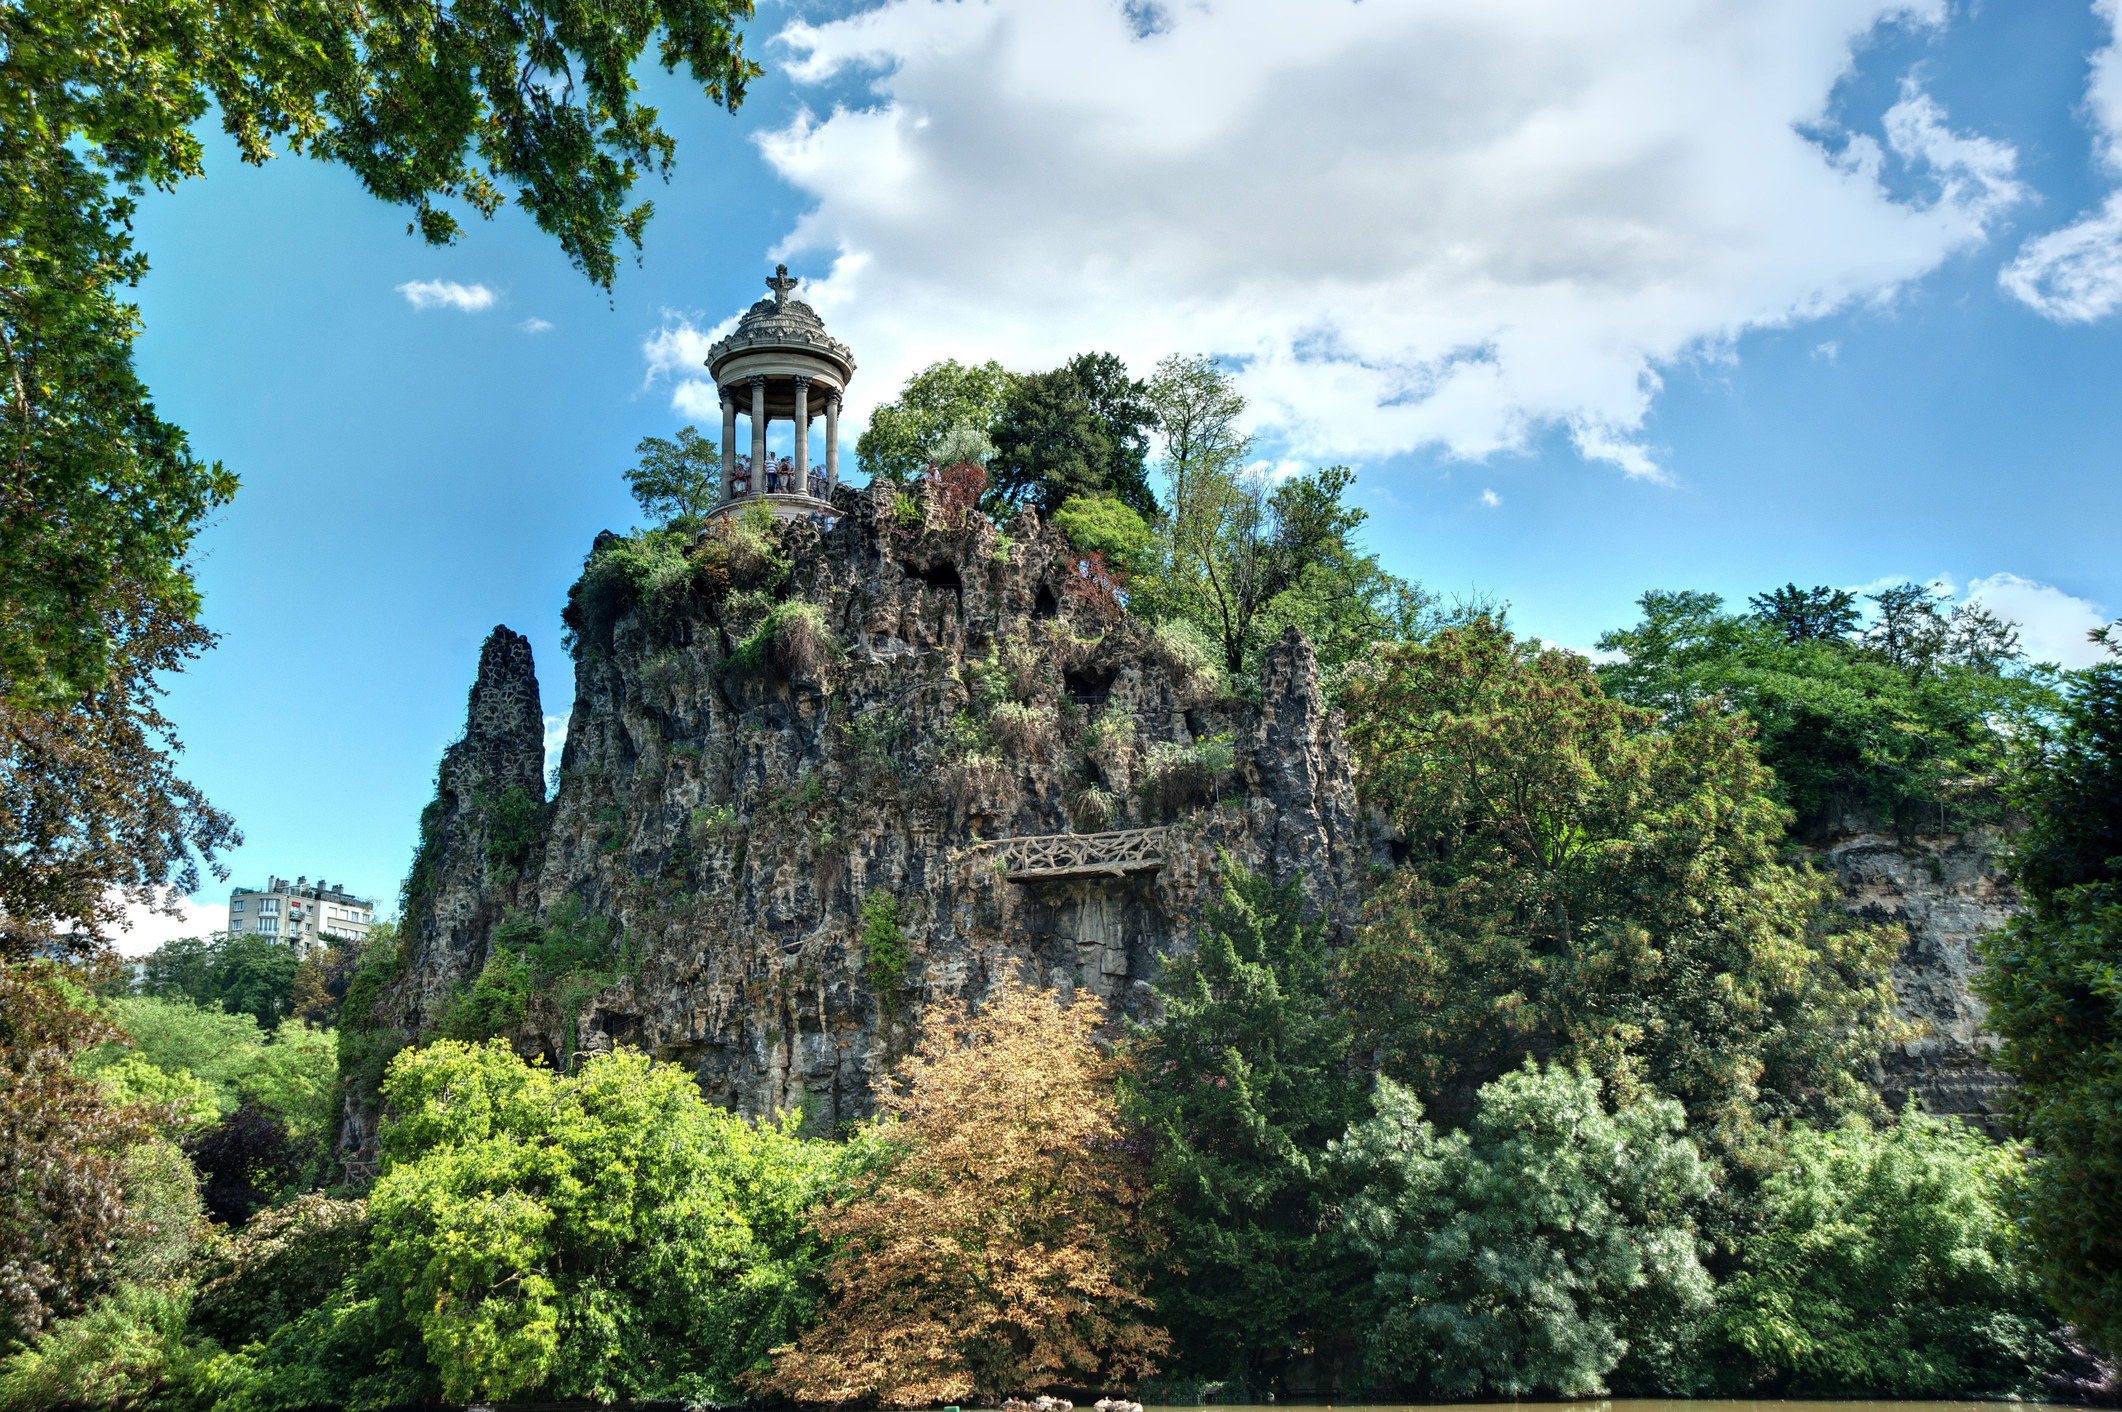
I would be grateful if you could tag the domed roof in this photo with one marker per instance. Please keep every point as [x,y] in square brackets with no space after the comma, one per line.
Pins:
[781,324]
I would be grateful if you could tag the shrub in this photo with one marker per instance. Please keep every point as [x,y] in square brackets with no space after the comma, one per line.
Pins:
[165,1218]
[883,945]
[129,1351]
[246,1160]
[283,1262]
[1534,1251]
[792,637]
[1175,776]
[1887,1265]
[1184,651]
[622,573]
[1022,730]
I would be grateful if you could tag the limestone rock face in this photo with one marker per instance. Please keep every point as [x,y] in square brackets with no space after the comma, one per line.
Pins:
[736,783]
[1947,890]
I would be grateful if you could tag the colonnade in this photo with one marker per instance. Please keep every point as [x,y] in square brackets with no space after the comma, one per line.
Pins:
[759,421]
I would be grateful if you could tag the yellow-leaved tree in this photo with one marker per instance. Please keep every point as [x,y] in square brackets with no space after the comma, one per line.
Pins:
[999,1250]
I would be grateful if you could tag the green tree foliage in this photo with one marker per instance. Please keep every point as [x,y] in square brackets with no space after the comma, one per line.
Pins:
[1081,429]
[1899,721]
[289,1070]
[608,1237]
[1240,1089]
[1534,1251]
[904,433]
[1887,1264]
[679,477]
[92,815]
[64,1149]
[133,1349]
[1100,524]
[235,971]
[1583,881]
[2053,980]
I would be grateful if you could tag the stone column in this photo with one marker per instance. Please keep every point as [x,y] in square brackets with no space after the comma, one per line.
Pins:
[758,433]
[729,438]
[803,435]
[832,443]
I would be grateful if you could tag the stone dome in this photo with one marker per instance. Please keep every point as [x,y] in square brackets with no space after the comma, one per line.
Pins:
[781,324]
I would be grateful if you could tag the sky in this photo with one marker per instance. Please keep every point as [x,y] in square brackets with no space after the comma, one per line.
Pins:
[1710,294]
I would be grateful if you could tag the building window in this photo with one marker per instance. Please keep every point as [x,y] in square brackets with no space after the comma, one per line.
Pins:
[269,925]
[236,906]
[269,906]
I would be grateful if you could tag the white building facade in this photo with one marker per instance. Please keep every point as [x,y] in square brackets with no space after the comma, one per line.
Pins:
[301,913]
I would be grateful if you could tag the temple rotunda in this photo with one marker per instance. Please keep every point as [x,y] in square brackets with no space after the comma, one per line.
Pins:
[779,363]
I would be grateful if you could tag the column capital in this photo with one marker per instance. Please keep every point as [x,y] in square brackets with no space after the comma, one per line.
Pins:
[757,379]
[802,379]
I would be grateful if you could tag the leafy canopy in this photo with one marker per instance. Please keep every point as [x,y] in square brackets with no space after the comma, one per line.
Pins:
[905,434]
[1585,879]
[994,1252]
[1534,1251]
[2053,981]
[1081,429]
[1240,1089]
[1897,725]
[676,477]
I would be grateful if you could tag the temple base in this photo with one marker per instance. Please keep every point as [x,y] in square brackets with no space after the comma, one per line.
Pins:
[783,506]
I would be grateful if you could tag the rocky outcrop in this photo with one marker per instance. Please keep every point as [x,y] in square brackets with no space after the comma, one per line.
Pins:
[1946,890]
[748,763]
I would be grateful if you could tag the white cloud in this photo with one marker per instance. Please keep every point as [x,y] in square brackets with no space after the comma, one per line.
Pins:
[2074,275]
[1828,352]
[1491,499]
[677,352]
[1452,223]
[151,929]
[2052,624]
[535,326]
[444,293]
[556,737]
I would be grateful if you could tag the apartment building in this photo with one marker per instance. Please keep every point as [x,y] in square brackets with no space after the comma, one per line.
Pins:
[301,913]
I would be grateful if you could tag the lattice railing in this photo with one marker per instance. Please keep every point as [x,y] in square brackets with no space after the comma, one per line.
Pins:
[1078,855]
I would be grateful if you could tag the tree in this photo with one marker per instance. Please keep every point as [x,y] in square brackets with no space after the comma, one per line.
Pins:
[63,1150]
[996,1253]
[2053,980]
[1586,881]
[904,434]
[681,477]
[1241,1088]
[1078,430]
[92,815]
[1534,1251]
[1887,1264]
[245,1161]
[606,1237]
[1902,726]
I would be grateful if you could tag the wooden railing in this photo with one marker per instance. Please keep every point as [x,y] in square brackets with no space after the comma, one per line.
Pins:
[1041,857]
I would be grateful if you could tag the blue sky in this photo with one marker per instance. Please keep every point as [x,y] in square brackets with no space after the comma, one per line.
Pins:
[1596,299]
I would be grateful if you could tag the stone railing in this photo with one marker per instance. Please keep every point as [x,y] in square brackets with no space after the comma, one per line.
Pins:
[1042,857]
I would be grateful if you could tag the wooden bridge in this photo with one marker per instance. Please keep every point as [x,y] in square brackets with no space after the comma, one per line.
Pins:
[1050,856]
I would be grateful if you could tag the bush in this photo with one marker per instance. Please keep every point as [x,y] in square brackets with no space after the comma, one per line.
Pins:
[883,945]
[130,1351]
[1533,1252]
[1022,730]
[793,637]
[1887,1265]
[1176,776]
[246,1161]
[165,1218]
[620,574]
[282,1263]
[1186,653]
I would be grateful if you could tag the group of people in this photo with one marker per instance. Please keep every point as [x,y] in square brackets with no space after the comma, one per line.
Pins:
[781,478]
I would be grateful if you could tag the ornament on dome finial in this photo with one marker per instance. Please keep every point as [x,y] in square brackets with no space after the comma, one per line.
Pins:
[781,285]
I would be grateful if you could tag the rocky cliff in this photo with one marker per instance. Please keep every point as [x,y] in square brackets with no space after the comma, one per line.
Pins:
[1946,890]
[770,846]
[771,840]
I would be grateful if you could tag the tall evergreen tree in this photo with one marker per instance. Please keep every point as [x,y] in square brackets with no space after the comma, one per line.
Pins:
[2054,986]
[1241,1089]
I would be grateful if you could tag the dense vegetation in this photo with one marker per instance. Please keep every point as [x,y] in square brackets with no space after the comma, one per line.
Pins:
[1580,1108]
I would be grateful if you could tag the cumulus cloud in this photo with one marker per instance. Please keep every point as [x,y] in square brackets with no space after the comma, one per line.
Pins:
[1491,499]
[150,929]
[556,737]
[1447,223]
[535,326]
[2052,624]
[446,294]
[2074,275]
[677,353]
